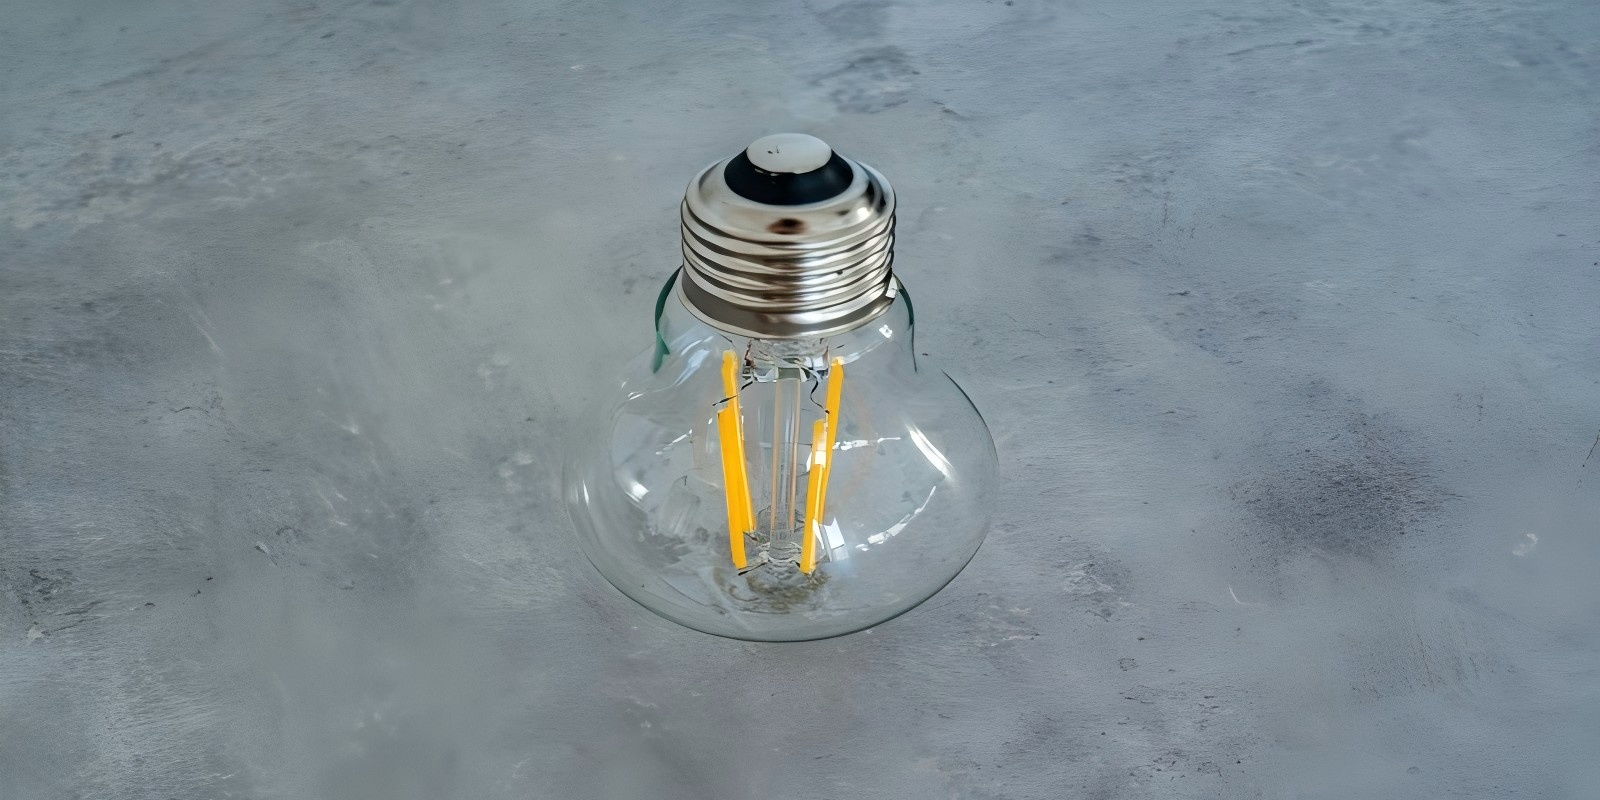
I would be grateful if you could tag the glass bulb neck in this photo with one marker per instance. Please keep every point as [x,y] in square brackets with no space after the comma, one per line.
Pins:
[679,329]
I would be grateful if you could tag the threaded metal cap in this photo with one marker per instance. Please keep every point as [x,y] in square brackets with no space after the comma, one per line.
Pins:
[788,240]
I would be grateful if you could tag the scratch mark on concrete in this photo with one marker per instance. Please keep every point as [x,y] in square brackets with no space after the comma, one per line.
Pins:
[1585,464]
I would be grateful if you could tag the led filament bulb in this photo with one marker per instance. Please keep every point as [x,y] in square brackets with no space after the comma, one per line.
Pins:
[782,465]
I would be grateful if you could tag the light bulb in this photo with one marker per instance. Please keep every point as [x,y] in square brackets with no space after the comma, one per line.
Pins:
[782,464]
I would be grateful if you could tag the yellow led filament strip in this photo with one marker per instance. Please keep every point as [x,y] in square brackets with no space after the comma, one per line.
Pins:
[824,435]
[730,428]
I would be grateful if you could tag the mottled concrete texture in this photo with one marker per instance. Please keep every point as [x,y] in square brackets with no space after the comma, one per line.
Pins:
[1285,315]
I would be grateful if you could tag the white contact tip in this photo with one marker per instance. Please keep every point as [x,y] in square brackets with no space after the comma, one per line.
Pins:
[791,153]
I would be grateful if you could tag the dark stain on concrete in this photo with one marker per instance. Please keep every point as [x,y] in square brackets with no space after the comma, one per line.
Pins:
[875,79]
[1354,492]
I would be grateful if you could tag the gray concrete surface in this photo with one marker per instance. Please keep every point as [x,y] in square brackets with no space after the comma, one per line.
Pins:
[1286,317]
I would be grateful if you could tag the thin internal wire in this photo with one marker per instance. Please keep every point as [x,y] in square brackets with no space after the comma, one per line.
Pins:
[777,429]
[794,457]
